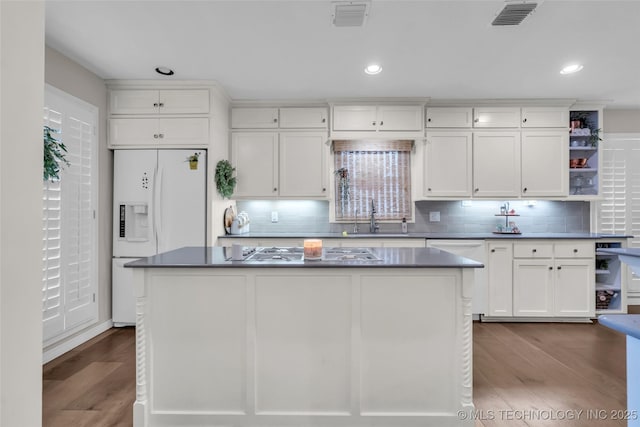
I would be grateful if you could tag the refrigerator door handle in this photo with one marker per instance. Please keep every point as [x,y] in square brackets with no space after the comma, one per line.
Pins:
[158,217]
[156,209]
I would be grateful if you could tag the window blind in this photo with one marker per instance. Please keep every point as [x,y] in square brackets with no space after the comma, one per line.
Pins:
[619,210]
[375,170]
[69,227]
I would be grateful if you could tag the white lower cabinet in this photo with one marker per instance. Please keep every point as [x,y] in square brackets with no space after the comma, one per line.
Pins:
[541,279]
[500,279]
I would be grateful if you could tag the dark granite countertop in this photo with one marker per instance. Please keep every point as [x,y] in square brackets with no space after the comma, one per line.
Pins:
[628,324]
[219,257]
[452,236]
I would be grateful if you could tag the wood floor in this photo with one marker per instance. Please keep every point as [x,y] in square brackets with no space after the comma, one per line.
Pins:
[525,374]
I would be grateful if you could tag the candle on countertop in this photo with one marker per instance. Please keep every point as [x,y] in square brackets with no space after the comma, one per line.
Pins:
[313,249]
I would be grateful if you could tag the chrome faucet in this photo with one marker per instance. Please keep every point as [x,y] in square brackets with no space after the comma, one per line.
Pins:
[373,227]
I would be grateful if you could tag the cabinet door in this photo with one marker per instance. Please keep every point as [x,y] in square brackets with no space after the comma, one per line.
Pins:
[496,117]
[354,118]
[496,164]
[254,118]
[399,118]
[134,101]
[448,164]
[302,164]
[533,287]
[500,280]
[574,290]
[449,117]
[545,117]
[133,132]
[194,101]
[255,157]
[301,118]
[192,132]
[545,163]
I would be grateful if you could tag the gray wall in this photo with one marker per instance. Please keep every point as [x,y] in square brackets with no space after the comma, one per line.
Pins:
[621,121]
[70,77]
[312,216]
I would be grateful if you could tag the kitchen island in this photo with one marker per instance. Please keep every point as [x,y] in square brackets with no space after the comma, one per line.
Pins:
[339,342]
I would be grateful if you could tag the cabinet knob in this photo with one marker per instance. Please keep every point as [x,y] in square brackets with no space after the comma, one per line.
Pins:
[559,268]
[324,189]
[161,135]
[429,119]
[493,250]
[476,190]
[524,190]
[429,189]
[575,251]
[550,268]
[534,250]
[275,120]
[476,120]
[275,189]
[324,120]
[155,104]
[161,104]
[155,135]
[373,123]
[524,121]
[381,122]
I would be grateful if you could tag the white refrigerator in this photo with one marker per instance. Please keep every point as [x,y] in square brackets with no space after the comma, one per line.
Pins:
[159,201]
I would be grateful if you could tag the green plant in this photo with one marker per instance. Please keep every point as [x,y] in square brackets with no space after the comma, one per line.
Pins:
[594,138]
[54,154]
[225,181]
[193,157]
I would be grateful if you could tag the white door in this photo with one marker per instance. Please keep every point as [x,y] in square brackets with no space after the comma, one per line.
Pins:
[188,132]
[180,199]
[134,234]
[302,164]
[128,132]
[545,163]
[355,117]
[574,293]
[399,118]
[496,164]
[255,157]
[533,282]
[181,101]
[500,278]
[448,164]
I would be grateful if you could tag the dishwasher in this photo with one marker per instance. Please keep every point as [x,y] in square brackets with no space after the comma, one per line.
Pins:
[475,250]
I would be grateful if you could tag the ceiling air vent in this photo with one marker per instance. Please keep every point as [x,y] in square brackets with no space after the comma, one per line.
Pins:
[349,13]
[514,13]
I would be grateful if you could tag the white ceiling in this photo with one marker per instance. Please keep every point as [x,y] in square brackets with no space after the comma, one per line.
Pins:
[270,50]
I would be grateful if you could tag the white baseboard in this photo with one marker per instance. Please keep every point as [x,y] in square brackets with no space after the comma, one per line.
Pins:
[62,348]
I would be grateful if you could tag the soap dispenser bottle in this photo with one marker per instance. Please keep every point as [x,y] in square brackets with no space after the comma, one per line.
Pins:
[404,225]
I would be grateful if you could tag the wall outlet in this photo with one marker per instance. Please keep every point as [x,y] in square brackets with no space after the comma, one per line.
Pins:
[274,216]
[434,216]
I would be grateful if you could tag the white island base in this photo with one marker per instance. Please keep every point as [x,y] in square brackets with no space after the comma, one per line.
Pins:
[301,347]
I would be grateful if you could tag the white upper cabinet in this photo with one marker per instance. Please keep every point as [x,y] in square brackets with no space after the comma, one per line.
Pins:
[381,118]
[496,117]
[255,158]
[302,160]
[254,118]
[545,156]
[447,164]
[449,117]
[545,117]
[154,132]
[304,118]
[496,164]
[151,101]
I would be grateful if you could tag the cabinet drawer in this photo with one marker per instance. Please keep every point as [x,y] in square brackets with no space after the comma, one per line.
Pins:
[533,250]
[575,250]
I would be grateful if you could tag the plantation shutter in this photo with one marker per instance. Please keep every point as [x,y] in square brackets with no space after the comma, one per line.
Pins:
[619,210]
[69,227]
[369,170]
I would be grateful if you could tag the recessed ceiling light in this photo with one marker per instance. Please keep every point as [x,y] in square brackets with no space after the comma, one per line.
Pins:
[373,69]
[164,71]
[570,69]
